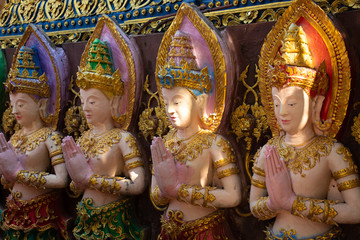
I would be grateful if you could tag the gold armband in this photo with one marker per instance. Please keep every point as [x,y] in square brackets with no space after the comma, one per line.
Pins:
[353,183]
[318,210]
[57,161]
[258,183]
[31,178]
[133,145]
[261,210]
[343,173]
[227,172]
[55,152]
[223,162]
[134,164]
[258,171]
[131,156]
[183,193]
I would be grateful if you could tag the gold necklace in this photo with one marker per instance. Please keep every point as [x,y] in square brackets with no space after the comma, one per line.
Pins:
[190,150]
[23,143]
[186,139]
[299,160]
[97,145]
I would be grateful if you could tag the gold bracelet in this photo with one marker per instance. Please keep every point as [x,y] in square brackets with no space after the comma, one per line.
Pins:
[134,164]
[55,152]
[223,162]
[77,192]
[258,183]
[93,181]
[131,156]
[298,206]
[57,161]
[208,197]
[160,201]
[353,183]
[330,212]
[258,171]
[104,184]
[196,195]
[261,210]
[34,179]
[227,172]
[115,186]
[183,192]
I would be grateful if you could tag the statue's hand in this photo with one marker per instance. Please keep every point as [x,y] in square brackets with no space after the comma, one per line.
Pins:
[76,162]
[10,162]
[164,169]
[278,182]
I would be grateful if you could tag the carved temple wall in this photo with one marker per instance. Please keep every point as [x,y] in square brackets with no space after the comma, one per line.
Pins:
[69,24]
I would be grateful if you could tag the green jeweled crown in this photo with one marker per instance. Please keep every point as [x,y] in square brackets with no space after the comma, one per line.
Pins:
[181,69]
[27,76]
[98,72]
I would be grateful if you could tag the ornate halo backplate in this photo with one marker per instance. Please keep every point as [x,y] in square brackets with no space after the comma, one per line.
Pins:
[55,65]
[326,43]
[126,58]
[211,51]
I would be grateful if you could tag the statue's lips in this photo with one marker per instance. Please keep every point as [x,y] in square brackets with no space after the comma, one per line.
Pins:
[285,121]
[88,116]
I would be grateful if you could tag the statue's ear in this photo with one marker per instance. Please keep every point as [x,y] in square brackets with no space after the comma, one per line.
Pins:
[115,106]
[316,108]
[320,127]
[202,102]
[43,107]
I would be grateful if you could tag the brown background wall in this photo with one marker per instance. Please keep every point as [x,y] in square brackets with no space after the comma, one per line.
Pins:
[247,40]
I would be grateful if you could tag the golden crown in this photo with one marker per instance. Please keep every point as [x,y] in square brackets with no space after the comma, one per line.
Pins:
[98,72]
[181,69]
[26,75]
[293,65]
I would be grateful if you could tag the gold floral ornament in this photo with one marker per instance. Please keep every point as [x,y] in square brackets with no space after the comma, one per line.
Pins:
[151,125]
[9,123]
[355,128]
[286,60]
[249,121]
[75,120]
[98,72]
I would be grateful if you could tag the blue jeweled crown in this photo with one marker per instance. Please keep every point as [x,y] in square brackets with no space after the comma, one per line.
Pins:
[27,76]
[181,69]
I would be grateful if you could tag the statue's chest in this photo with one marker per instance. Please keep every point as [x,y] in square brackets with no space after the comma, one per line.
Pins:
[312,181]
[107,159]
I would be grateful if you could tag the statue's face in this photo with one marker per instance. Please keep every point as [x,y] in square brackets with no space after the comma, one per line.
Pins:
[25,109]
[96,106]
[180,107]
[293,109]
